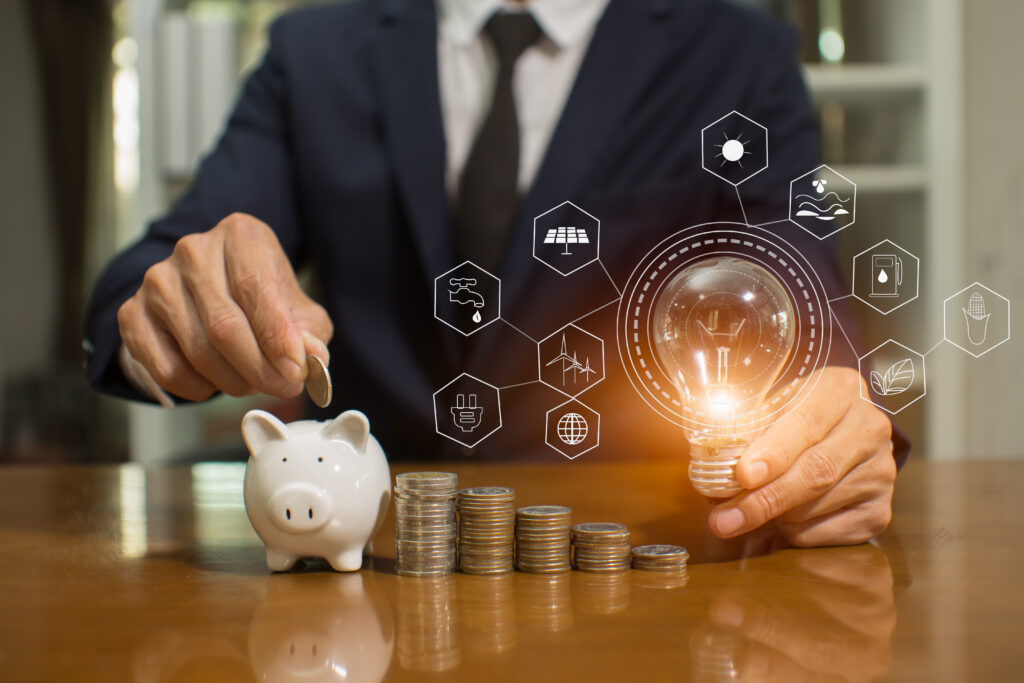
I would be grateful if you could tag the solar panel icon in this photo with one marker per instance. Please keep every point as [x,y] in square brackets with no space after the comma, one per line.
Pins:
[566,235]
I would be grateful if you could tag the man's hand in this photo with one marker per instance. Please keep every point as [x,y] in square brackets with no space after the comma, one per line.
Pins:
[825,472]
[225,312]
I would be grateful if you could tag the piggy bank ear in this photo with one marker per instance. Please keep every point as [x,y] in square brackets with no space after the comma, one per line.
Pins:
[260,427]
[352,427]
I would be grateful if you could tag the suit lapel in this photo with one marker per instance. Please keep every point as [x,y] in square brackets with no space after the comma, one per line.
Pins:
[406,75]
[627,46]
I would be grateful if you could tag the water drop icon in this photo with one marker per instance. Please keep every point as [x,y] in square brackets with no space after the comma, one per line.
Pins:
[883,276]
[476,317]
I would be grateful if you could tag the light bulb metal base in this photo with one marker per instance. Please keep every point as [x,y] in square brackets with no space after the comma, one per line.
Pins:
[713,468]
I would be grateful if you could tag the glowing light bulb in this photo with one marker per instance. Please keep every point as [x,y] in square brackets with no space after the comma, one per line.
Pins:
[723,329]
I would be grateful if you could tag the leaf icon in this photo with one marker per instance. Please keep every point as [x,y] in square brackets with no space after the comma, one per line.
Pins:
[897,379]
[877,383]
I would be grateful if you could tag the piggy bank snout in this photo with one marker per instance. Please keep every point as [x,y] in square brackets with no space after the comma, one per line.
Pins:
[300,508]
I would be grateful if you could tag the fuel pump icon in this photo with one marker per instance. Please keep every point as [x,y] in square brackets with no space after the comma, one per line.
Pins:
[886,275]
[466,414]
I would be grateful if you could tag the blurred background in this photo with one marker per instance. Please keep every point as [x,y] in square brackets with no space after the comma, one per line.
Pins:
[108,105]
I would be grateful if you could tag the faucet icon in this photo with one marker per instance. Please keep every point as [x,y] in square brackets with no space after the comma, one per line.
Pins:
[463,294]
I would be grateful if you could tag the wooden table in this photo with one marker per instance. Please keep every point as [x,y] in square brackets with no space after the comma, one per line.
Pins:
[124,574]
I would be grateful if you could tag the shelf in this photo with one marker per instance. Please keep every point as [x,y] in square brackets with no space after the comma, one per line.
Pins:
[880,179]
[849,81]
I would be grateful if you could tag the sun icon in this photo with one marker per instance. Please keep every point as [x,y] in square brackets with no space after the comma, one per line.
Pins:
[733,149]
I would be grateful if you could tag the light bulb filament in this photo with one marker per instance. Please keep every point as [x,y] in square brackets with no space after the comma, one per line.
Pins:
[721,342]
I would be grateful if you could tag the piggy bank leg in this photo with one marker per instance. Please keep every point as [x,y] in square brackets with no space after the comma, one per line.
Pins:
[280,562]
[348,561]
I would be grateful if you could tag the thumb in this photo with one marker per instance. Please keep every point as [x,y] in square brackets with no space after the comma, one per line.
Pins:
[315,347]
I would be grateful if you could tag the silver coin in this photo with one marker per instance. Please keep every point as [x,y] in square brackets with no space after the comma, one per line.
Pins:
[318,381]
[600,528]
[416,481]
[488,492]
[660,551]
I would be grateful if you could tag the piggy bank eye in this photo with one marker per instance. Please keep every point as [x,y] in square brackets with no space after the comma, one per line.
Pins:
[320,459]
[284,459]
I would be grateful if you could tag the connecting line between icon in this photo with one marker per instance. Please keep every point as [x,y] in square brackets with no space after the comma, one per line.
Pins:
[602,307]
[840,298]
[742,209]
[764,225]
[845,336]
[518,330]
[521,384]
[617,290]
[937,345]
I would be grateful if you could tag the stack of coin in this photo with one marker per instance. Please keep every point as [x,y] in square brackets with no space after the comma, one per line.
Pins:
[543,539]
[487,519]
[660,558]
[601,547]
[425,527]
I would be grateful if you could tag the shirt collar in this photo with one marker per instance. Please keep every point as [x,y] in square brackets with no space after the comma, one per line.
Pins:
[564,22]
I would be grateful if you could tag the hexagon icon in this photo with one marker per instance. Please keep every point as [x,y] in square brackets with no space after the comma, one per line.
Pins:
[734,148]
[467,410]
[823,202]
[572,429]
[467,298]
[566,238]
[571,360]
[896,378]
[886,276]
[976,319]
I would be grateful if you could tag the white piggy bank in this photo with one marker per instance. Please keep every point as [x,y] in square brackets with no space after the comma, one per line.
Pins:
[314,489]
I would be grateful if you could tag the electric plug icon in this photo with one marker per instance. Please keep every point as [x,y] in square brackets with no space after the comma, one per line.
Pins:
[466,414]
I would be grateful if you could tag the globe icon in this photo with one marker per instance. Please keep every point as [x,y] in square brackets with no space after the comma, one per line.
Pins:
[572,429]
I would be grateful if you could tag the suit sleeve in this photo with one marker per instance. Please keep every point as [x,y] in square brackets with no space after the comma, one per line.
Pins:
[250,170]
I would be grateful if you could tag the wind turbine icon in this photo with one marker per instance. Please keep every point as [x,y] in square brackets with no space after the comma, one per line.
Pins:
[572,364]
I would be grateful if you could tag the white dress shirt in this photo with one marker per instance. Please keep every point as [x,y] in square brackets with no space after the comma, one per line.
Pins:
[544,75]
[467,68]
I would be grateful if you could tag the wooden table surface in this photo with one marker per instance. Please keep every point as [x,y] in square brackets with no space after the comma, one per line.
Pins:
[125,574]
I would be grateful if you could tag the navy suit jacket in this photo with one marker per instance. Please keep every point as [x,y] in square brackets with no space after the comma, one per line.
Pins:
[337,143]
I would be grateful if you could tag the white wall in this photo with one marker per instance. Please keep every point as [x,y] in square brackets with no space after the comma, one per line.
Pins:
[994,222]
[27,286]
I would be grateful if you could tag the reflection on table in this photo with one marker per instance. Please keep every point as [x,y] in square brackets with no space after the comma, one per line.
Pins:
[131,575]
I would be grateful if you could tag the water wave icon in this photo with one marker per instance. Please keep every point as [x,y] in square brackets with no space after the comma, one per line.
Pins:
[820,207]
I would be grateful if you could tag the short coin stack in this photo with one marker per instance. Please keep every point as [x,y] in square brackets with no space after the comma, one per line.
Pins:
[660,558]
[425,528]
[487,519]
[543,539]
[601,547]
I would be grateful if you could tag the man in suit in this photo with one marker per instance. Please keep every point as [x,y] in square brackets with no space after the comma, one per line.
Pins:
[383,142]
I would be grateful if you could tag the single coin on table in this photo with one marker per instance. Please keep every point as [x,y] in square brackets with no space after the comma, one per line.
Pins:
[318,381]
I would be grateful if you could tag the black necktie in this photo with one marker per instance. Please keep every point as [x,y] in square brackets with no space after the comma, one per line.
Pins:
[488,195]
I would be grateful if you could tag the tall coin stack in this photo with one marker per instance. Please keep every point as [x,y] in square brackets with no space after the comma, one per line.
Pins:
[543,539]
[660,558]
[425,526]
[601,547]
[487,520]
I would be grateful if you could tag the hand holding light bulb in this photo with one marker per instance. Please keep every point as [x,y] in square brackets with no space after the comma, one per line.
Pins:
[824,473]
[724,330]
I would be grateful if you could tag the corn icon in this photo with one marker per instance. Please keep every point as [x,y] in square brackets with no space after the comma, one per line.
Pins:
[976,319]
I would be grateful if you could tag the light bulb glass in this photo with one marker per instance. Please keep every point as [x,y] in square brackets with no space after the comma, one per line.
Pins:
[723,329]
